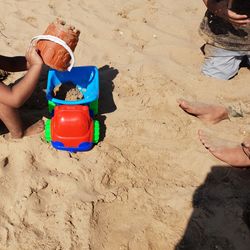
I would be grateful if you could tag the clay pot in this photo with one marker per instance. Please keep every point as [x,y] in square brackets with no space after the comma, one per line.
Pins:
[53,54]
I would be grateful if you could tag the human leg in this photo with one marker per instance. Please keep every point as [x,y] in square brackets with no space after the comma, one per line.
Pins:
[224,150]
[208,113]
[11,119]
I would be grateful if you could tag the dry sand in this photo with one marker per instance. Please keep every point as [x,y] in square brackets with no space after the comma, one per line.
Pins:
[149,182]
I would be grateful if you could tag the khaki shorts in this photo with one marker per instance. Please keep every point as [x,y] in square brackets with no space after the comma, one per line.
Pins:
[221,63]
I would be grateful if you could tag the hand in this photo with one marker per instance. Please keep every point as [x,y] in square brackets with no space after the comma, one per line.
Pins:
[237,19]
[221,9]
[33,57]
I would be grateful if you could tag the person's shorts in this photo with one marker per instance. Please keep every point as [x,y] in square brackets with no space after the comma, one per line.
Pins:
[221,63]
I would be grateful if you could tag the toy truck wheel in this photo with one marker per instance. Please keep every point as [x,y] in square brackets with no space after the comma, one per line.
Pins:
[48,130]
[51,106]
[96,135]
[94,106]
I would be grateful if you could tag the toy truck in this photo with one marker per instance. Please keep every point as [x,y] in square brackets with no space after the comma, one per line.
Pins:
[72,126]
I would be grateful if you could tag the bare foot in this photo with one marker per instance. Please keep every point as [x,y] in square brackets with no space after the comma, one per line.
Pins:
[206,112]
[226,151]
[36,128]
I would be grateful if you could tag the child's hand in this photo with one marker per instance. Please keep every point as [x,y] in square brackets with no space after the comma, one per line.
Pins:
[237,19]
[33,57]
[222,9]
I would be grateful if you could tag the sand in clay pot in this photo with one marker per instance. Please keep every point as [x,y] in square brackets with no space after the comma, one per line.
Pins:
[53,54]
[67,91]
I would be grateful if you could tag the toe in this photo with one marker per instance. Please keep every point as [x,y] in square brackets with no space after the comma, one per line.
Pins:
[246,144]
[202,135]
[183,103]
[212,149]
[179,101]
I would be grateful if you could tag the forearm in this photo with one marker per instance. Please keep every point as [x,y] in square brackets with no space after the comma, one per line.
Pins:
[13,64]
[23,90]
[219,8]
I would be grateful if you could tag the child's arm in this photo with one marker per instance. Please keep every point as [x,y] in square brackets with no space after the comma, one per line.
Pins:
[13,64]
[220,8]
[19,93]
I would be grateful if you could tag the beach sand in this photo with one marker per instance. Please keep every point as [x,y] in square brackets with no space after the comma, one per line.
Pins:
[149,184]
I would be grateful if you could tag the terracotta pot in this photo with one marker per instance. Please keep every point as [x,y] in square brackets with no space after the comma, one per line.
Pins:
[53,54]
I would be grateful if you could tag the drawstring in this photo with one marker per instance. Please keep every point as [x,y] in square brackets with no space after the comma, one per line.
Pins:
[58,41]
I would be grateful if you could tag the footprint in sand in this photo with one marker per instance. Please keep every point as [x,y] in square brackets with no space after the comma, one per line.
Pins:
[6,230]
[4,162]
[32,21]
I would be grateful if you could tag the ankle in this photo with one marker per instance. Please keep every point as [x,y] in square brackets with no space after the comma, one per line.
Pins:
[224,113]
[17,134]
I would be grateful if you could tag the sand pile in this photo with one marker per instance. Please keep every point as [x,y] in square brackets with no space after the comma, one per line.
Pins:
[67,91]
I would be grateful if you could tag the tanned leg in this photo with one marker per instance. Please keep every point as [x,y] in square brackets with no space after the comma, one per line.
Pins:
[11,119]
[226,151]
[208,113]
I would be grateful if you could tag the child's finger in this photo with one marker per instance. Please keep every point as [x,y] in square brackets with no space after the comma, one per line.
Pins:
[245,21]
[30,51]
[240,22]
[34,43]
[236,16]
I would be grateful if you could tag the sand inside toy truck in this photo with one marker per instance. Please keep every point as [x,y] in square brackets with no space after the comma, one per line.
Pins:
[67,91]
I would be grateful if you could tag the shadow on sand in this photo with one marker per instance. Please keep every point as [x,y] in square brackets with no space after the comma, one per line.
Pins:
[221,212]
[35,108]
[106,102]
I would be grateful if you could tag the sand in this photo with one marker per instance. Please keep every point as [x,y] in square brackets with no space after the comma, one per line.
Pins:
[67,91]
[149,184]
